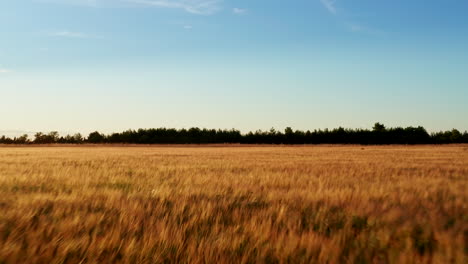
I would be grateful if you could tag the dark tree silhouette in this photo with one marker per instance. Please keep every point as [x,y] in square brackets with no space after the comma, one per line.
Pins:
[96,137]
[378,135]
[378,127]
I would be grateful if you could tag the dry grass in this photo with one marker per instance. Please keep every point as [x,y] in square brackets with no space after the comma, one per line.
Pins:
[347,204]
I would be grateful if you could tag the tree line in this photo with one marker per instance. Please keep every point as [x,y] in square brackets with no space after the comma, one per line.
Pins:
[378,135]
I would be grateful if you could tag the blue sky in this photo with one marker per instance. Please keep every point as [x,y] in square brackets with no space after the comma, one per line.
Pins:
[111,65]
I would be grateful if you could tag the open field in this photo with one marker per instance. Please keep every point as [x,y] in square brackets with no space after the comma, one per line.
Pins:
[318,204]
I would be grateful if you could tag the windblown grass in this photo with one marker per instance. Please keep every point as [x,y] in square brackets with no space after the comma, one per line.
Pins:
[347,204]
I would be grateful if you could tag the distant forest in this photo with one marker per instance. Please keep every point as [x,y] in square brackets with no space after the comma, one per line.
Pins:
[378,135]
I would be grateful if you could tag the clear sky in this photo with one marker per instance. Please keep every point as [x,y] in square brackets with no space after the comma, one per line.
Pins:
[111,65]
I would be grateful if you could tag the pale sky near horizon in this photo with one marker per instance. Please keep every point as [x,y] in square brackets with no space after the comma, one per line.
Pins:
[112,65]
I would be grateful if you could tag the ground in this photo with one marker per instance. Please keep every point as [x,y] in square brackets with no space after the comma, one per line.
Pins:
[232,204]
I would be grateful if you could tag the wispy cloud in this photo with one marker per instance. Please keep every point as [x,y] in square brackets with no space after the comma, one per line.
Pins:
[355,27]
[239,11]
[68,34]
[329,5]
[90,3]
[350,26]
[199,7]
[188,27]
[3,71]
[71,34]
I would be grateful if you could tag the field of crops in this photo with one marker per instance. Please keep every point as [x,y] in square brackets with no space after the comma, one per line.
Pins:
[233,204]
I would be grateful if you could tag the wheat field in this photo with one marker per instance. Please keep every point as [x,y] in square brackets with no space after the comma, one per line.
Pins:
[233,204]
